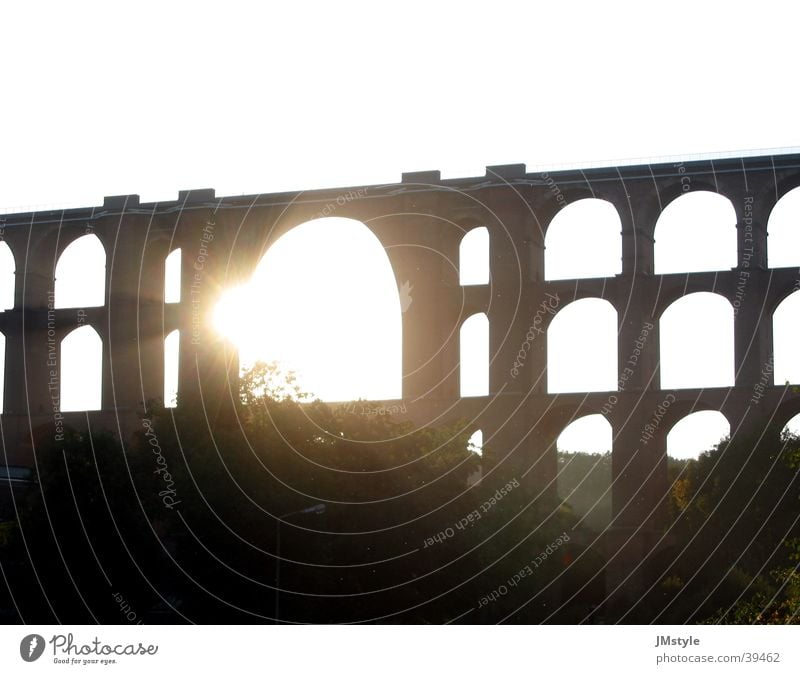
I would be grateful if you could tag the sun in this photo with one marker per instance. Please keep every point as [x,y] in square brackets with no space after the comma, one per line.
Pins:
[323,303]
[230,314]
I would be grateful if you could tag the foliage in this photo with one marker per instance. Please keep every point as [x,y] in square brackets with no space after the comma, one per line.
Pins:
[776,604]
[186,520]
[732,512]
[198,521]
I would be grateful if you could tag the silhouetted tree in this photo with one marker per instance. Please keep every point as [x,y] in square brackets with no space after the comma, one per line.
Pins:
[183,522]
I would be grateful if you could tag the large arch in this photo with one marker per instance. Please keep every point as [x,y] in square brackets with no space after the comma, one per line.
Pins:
[697,342]
[80,279]
[696,433]
[695,233]
[474,356]
[7,277]
[323,302]
[474,257]
[583,241]
[81,370]
[785,337]
[783,230]
[584,469]
[582,347]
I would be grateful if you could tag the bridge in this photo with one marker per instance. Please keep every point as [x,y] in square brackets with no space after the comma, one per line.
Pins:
[421,223]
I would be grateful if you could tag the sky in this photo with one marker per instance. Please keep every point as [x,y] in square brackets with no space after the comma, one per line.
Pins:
[149,98]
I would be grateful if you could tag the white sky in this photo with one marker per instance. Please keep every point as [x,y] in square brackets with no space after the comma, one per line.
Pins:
[150,98]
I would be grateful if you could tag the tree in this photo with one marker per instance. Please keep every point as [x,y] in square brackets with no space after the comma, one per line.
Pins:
[734,509]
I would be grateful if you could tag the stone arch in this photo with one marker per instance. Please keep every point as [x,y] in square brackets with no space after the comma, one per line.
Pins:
[695,233]
[171,368]
[584,469]
[474,257]
[475,445]
[785,319]
[695,433]
[474,356]
[670,410]
[582,347]
[792,425]
[771,190]
[787,414]
[318,276]
[583,241]
[670,290]
[7,277]
[555,197]
[80,274]
[552,422]
[81,376]
[696,346]
[650,205]
[783,231]
[475,442]
[172,277]
[786,182]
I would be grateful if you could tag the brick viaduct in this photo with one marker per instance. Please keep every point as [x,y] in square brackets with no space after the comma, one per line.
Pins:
[420,222]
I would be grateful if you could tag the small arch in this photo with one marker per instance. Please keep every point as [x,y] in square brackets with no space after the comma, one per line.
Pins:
[584,469]
[171,360]
[786,355]
[783,231]
[696,342]
[695,233]
[473,257]
[474,369]
[475,445]
[172,277]
[7,277]
[582,347]
[475,442]
[80,279]
[696,433]
[583,241]
[792,427]
[81,370]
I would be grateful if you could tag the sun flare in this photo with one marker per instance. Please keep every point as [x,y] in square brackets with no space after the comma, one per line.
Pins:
[323,302]
[230,312]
